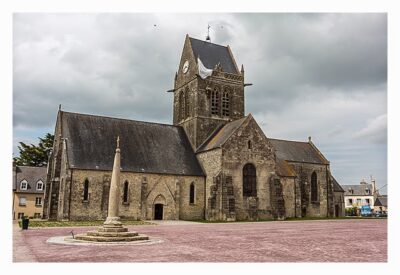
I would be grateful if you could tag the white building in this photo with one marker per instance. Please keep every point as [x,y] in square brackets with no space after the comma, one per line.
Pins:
[359,195]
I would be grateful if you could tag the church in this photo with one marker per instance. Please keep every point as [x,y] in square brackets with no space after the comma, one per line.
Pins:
[213,163]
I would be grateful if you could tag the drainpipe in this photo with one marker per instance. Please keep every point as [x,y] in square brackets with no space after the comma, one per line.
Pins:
[327,191]
[13,209]
[295,198]
[205,196]
[70,195]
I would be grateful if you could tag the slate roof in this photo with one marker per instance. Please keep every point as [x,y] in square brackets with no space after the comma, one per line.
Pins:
[145,147]
[284,169]
[211,54]
[358,189]
[336,185]
[381,201]
[32,175]
[296,151]
[221,135]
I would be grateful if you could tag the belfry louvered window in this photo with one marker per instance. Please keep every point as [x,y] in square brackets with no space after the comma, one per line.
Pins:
[225,104]
[181,105]
[314,187]
[187,110]
[215,102]
[249,181]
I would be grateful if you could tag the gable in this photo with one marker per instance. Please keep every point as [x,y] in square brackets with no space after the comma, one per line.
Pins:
[221,135]
[145,147]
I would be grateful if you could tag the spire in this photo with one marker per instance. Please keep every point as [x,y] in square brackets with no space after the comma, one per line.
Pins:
[242,70]
[208,34]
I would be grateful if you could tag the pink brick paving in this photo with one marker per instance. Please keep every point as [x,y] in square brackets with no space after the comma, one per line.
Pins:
[294,241]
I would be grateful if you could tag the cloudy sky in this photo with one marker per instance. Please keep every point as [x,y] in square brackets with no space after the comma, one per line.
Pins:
[318,75]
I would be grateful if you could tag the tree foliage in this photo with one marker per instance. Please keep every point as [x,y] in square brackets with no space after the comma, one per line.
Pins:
[35,155]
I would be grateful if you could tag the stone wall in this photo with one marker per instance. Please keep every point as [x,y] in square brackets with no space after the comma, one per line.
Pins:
[211,162]
[322,207]
[339,205]
[290,193]
[144,191]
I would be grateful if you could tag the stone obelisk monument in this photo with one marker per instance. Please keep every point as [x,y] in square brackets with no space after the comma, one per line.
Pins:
[113,219]
[112,229]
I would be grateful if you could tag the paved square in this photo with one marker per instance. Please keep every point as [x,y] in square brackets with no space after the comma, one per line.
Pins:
[288,241]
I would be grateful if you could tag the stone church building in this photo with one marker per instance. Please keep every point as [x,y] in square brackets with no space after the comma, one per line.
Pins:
[213,163]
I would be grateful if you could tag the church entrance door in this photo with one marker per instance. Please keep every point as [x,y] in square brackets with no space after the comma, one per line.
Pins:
[337,210]
[158,211]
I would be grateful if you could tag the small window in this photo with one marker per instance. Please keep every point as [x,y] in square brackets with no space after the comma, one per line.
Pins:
[38,201]
[249,145]
[22,201]
[126,191]
[191,193]
[358,202]
[37,216]
[39,185]
[20,215]
[367,201]
[350,201]
[24,185]
[86,190]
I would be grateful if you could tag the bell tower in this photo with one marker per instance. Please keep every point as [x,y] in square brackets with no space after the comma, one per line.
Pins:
[208,89]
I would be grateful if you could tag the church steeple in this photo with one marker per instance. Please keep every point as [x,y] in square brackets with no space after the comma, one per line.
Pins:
[208,90]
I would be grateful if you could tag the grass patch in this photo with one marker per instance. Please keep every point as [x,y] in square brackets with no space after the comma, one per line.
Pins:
[38,223]
[205,221]
[294,219]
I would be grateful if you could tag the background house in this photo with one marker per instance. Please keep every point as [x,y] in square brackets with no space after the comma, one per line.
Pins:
[360,195]
[28,191]
[380,204]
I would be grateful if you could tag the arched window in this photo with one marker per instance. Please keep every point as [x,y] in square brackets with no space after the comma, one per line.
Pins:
[126,191]
[215,102]
[191,193]
[314,187]
[187,103]
[181,105]
[86,190]
[249,181]
[225,104]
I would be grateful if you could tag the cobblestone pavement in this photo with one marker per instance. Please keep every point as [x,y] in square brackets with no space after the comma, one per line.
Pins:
[290,241]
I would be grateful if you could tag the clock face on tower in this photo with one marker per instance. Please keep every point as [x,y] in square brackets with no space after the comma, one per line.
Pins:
[185,66]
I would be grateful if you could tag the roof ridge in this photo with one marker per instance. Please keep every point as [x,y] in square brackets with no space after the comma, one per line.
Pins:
[125,119]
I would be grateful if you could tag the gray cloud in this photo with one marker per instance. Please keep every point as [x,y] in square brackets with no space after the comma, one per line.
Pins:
[323,75]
